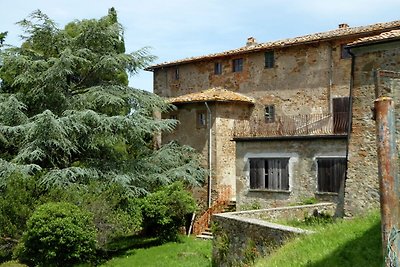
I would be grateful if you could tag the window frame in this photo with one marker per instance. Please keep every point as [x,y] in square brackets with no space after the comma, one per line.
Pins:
[344,53]
[333,186]
[269,59]
[201,122]
[269,113]
[237,64]
[217,68]
[260,179]
[176,73]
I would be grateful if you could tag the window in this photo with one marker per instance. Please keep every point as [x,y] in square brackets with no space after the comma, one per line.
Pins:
[201,119]
[269,113]
[269,173]
[176,73]
[331,172]
[217,68]
[237,65]
[269,59]
[344,53]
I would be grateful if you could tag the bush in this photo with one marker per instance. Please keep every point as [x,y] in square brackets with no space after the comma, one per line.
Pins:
[12,264]
[18,198]
[58,234]
[164,211]
[115,215]
[318,218]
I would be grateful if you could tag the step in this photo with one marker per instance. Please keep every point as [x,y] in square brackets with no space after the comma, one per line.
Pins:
[204,236]
[207,233]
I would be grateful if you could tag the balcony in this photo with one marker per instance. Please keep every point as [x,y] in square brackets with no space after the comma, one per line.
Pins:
[296,125]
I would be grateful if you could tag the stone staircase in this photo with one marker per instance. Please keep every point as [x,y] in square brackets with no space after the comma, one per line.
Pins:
[206,234]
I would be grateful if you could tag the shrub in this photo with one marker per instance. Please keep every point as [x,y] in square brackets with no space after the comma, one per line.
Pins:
[58,234]
[164,211]
[115,215]
[12,264]
[318,218]
[18,198]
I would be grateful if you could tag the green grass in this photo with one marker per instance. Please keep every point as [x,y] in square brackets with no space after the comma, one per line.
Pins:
[12,264]
[190,252]
[355,242]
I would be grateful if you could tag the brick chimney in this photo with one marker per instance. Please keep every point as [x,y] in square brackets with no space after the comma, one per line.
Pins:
[343,26]
[251,41]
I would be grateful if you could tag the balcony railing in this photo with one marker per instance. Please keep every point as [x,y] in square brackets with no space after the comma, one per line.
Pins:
[296,125]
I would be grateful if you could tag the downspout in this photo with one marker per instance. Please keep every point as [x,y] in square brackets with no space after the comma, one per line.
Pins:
[350,120]
[209,153]
[330,78]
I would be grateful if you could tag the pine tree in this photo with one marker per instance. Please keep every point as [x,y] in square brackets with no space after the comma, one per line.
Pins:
[68,116]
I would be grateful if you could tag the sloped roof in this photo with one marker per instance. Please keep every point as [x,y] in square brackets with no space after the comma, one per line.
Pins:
[383,37]
[210,95]
[311,38]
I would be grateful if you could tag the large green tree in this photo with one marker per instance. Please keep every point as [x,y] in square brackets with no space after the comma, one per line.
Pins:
[68,116]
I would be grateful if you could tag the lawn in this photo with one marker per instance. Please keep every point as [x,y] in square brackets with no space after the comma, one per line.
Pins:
[345,243]
[190,252]
[355,242]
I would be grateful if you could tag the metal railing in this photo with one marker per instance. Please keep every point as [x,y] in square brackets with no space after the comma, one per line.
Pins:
[295,125]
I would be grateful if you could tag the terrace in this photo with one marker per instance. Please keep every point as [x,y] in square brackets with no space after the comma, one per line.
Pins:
[295,125]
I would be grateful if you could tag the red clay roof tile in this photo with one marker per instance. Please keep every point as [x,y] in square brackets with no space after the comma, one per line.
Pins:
[311,38]
[210,95]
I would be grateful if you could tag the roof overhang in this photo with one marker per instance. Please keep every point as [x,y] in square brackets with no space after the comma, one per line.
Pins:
[212,95]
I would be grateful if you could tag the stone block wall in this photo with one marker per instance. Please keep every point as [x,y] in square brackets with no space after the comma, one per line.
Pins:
[241,237]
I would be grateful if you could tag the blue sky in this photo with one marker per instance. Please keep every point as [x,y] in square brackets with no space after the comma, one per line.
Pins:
[178,29]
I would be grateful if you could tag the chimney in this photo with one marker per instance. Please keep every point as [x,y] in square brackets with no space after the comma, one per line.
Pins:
[343,26]
[251,41]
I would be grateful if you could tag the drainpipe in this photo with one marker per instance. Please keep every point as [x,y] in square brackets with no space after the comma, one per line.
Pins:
[330,78]
[209,154]
[350,119]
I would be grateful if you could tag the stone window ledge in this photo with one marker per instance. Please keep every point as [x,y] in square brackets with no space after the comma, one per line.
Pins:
[326,193]
[270,191]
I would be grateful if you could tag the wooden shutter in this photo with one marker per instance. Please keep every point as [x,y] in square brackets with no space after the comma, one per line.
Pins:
[284,174]
[340,108]
[257,174]
[331,173]
[277,174]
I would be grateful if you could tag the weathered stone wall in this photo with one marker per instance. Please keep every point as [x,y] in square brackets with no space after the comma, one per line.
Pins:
[241,237]
[289,213]
[362,185]
[303,81]
[302,170]
[187,132]
[225,169]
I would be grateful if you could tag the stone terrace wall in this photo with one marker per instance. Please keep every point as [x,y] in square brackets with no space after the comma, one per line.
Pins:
[241,237]
[289,213]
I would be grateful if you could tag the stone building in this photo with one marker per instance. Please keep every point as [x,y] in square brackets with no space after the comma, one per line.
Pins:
[272,119]
[376,61]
